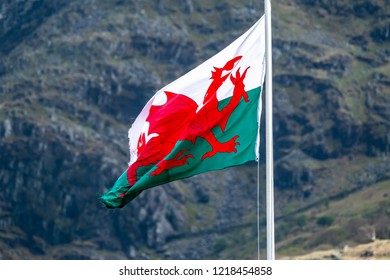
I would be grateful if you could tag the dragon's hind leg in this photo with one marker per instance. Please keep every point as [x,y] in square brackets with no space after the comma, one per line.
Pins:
[166,164]
[220,147]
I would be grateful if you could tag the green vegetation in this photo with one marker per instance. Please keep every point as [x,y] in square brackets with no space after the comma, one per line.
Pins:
[325,221]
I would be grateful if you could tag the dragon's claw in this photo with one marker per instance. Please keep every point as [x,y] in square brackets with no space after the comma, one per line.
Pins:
[226,147]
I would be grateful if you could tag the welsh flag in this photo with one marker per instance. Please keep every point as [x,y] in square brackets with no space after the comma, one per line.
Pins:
[206,120]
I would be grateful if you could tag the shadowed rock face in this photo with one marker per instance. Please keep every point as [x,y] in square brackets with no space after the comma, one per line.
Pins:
[75,74]
[20,19]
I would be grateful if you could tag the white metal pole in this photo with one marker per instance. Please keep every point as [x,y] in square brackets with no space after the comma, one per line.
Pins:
[269,135]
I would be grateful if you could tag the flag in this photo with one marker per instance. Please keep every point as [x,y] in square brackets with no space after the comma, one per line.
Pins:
[206,120]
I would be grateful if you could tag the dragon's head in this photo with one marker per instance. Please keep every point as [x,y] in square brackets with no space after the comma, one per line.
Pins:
[239,78]
[217,73]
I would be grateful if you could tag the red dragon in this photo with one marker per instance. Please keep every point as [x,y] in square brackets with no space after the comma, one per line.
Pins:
[181,118]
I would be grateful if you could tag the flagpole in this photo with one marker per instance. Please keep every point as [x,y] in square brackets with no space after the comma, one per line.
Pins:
[269,135]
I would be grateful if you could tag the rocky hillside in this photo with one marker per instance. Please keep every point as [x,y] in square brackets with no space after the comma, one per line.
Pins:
[376,250]
[74,74]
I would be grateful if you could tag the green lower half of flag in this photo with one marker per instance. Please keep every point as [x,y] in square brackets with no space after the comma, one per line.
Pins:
[241,134]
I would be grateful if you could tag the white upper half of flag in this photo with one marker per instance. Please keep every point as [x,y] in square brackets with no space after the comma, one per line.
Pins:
[194,84]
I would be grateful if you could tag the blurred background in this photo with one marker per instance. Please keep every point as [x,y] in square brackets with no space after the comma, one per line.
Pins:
[74,75]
